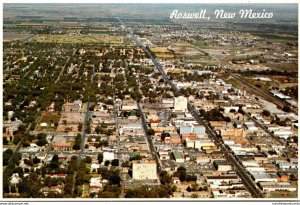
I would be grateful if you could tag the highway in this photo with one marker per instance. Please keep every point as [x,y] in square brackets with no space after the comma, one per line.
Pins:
[24,40]
[242,173]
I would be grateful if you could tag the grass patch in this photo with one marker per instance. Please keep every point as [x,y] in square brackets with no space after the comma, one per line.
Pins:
[276,37]
[201,44]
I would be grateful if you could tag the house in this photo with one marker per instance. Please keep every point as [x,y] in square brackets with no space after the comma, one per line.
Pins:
[51,107]
[95,184]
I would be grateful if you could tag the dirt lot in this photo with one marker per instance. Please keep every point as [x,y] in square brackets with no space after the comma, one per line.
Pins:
[72,118]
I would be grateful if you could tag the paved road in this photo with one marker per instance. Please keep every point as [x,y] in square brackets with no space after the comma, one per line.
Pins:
[27,38]
[86,119]
[64,67]
[263,128]
[149,140]
[247,181]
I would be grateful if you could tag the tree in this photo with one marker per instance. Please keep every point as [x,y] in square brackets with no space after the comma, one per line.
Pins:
[191,178]
[165,178]
[97,129]
[36,160]
[286,108]
[88,159]
[115,162]
[106,163]
[194,196]
[54,164]
[266,113]
[150,131]
[6,156]
[115,179]
[76,147]
[42,142]
[80,127]
[100,158]
[5,141]
[181,173]
[17,139]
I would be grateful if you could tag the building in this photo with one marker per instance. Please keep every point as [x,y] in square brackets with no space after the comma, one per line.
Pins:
[73,106]
[144,170]
[199,130]
[61,146]
[180,104]
[277,186]
[108,156]
[222,165]
[192,129]
[178,157]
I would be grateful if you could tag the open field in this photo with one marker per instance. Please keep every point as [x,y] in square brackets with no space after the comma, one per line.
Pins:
[162,52]
[78,39]
[14,36]
[50,118]
[181,44]
[201,44]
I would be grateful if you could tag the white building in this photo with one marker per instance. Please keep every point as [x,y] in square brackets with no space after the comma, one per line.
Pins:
[180,104]
[108,156]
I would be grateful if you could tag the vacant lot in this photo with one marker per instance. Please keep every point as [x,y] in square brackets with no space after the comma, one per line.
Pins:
[51,119]
[78,39]
[71,118]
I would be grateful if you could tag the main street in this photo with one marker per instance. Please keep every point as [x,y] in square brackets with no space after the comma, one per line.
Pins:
[247,181]
[149,140]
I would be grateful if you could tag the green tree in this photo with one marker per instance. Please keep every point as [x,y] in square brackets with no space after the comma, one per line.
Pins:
[106,163]
[266,113]
[100,158]
[88,159]
[115,162]
[286,108]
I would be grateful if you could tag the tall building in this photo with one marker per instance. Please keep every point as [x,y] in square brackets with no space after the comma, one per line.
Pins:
[144,169]
[180,104]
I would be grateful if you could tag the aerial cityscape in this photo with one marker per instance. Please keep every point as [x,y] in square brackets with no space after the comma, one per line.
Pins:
[125,101]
